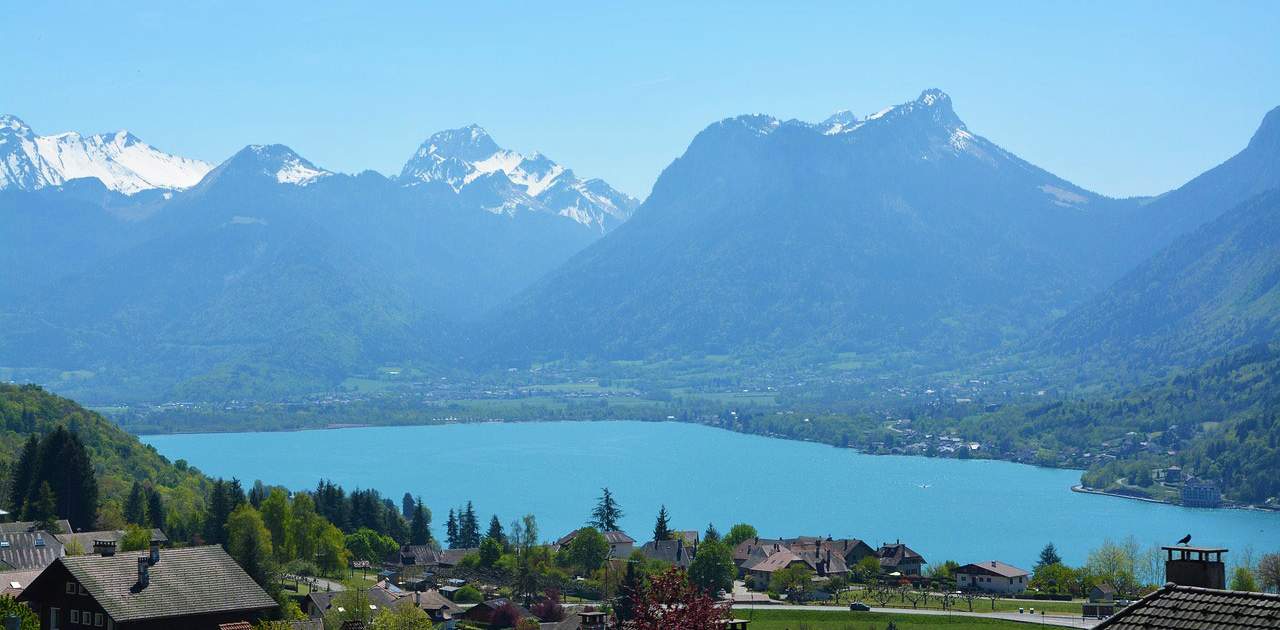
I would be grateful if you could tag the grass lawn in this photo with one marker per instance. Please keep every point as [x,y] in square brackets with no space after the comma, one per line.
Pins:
[800,619]
[979,605]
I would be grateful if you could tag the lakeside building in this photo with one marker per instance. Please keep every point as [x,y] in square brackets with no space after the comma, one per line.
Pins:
[620,544]
[899,558]
[1200,493]
[992,576]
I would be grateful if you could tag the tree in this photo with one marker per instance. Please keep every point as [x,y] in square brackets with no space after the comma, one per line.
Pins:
[670,602]
[331,550]
[943,571]
[277,515]
[1115,563]
[366,544]
[43,509]
[468,595]
[155,509]
[23,474]
[468,528]
[1055,578]
[304,527]
[10,607]
[607,513]
[792,580]
[249,542]
[451,530]
[1269,571]
[506,616]
[866,569]
[135,507]
[404,616]
[662,529]
[712,533]
[632,584]
[1242,579]
[588,550]
[739,533]
[257,494]
[1049,555]
[136,538]
[221,502]
[549,608]
[712,569]
[420,526]
[407,504]
[63,462]
[495,531]
[490,551]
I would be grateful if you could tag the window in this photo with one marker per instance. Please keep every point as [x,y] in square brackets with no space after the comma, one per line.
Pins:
[97,619]
[75,616]
[53,619]
[71,588]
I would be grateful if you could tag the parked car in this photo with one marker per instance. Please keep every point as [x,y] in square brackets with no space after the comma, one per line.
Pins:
[859,607]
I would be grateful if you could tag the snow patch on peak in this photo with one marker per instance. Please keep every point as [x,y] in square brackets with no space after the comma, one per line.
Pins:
[934,97]
[838,122]
[12,123]
[285,166]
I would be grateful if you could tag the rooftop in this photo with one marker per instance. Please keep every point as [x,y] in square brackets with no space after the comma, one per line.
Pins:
[1188,607]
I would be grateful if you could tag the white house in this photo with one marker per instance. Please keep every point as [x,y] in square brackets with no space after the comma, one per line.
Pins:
[993,576]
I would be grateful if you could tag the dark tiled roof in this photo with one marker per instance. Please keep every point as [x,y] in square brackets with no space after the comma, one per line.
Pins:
[994,567]
[21,578]
[191,581]
[897,553]
[28,550]
[614,537]
[1192,608]
[418,555]
[453,557]
[16,527]
[86,538]
[236,625]
[670,551]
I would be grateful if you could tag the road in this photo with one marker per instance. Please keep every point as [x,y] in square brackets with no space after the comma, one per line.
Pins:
[1047,620]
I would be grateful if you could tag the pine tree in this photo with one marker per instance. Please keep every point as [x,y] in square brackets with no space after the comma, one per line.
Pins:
[451,530]
[64,463]
[606,514]
[407,506]
[155,509]
[23,474]
[495,531]
[135,507]
[469,528]
[216,518]
[1049,555]
[257,494]
[662,529]
[43,508]
[420,526]
[712,533]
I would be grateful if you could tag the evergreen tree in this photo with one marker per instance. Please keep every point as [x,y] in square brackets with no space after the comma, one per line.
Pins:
[662,529]
[420,526]
[451,530]
[607,513]
[135,507]
[155,509]
[407,506]
[1049,555]
[64,464]
[43,508]
[631,585]
[257,494]
[469,528]
[24,474]
[495,531]
[216,517]
[235,494]
[712,533]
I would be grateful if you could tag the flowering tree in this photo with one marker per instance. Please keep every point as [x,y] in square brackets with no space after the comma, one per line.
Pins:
[670,602]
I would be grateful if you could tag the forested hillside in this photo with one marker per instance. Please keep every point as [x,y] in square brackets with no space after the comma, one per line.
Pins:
[118,459]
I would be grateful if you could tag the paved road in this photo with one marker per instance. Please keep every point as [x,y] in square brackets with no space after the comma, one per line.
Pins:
[1047,620]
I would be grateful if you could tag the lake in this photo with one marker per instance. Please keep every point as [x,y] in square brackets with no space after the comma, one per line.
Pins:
[964,510]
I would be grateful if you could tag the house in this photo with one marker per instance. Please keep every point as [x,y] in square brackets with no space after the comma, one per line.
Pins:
[21,527]
[1200,493]
[992,576]
[762,572]
[690,536]
[754,550]
[1101,602]
[899,558]
[196,587]
[383,595]
[1176,607]
[824,562]
[88,542]
[620,544]
[26,551]
[675,552]
[483,612]
[453,557]
[12,583]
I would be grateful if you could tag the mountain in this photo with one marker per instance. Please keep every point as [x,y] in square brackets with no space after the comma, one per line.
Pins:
[497,180]
[1211,291]
[121,161]
[899,232]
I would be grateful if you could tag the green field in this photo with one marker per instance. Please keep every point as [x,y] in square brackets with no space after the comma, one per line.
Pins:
[800,619]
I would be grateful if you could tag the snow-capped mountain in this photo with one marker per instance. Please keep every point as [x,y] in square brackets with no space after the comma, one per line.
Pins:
[265,163]
[119,160]
[506,182]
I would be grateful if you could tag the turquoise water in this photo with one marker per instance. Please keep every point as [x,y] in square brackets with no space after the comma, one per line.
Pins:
[944,508]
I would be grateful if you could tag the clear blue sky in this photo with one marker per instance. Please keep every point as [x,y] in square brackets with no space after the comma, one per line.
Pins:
[1124,100]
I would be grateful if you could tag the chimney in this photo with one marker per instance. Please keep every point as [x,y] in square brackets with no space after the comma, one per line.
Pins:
[153,558]
[144,573]
[104,548]
[1195,566]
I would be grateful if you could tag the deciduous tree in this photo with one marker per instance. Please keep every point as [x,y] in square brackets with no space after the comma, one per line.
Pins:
[739,533]
[670,602]
[712,569]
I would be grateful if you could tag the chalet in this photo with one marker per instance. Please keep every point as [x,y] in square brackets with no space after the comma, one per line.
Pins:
[899,558]
[483,612]
[26,551]
[992,576]
[675,552]
[753,550]
[620,544]
[196,587]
